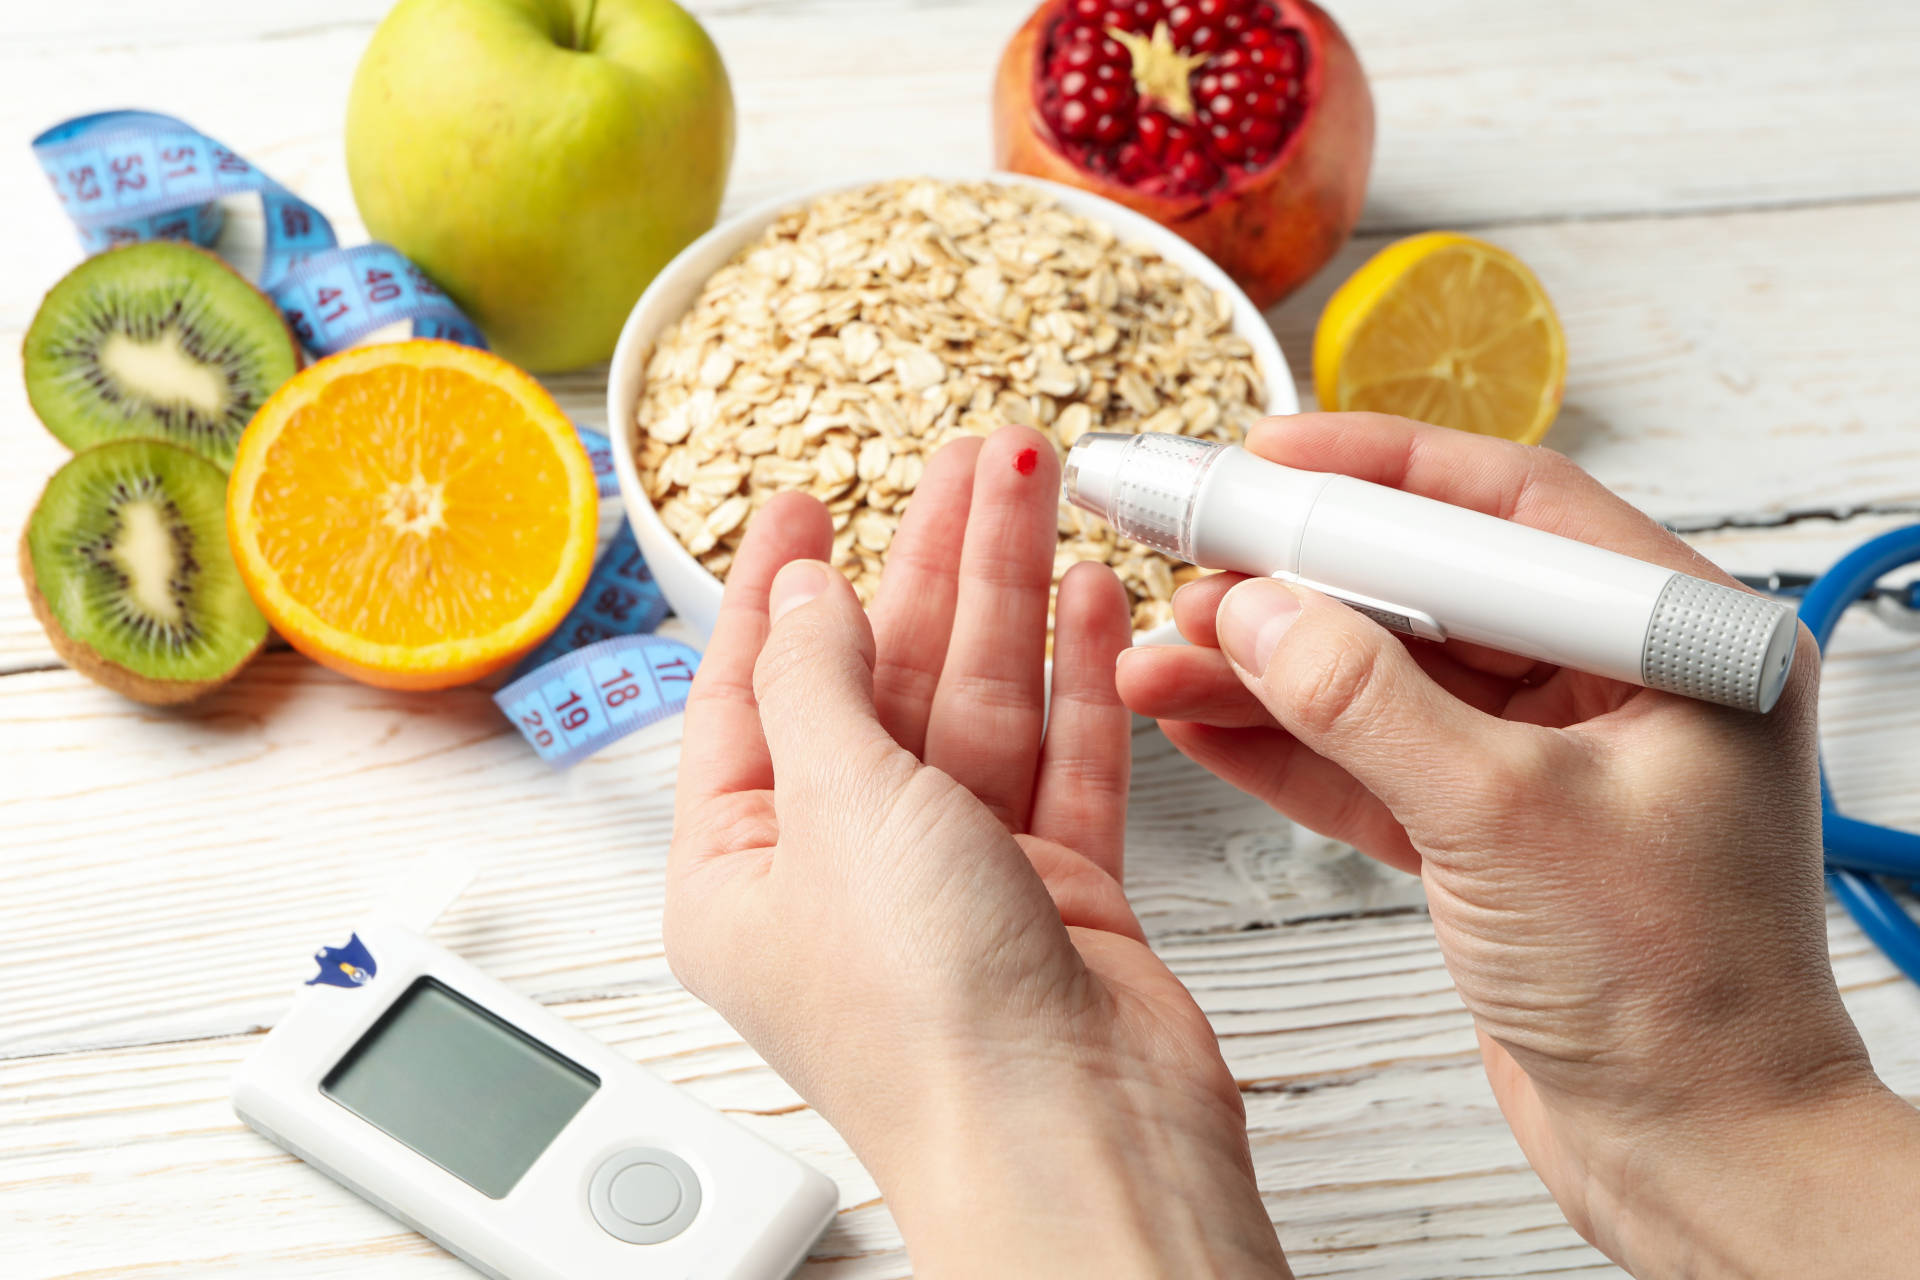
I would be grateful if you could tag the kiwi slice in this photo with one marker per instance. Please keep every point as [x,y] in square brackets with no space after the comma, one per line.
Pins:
[125,559]
[161,340]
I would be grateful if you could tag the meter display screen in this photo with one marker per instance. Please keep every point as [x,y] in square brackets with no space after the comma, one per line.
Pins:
[475,1095]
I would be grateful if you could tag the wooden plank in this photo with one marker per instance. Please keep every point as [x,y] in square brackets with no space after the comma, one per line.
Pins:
[165,873]
[239,837]
[1499,111]
[1691,340]
[1741,364]
[1376,1142]
[240,832]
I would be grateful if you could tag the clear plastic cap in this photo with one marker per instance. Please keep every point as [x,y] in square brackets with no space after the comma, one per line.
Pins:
[1142,485]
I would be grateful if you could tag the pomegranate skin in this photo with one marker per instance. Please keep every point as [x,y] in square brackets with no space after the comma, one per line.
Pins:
[1269,230]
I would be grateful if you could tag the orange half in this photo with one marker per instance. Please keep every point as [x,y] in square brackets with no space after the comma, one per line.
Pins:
[415,514]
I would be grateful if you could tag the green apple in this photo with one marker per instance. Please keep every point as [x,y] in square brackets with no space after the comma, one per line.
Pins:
[541,159]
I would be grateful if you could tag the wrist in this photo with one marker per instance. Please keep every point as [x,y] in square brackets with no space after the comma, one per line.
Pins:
[1818,1187]
[1093,1177]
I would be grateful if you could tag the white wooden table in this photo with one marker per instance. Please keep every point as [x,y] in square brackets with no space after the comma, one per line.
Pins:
[1722,197]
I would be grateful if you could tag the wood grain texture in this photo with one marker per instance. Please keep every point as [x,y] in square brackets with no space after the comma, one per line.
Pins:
[1378,1148]
[130,985]
[1720,198]
[1692,340]
[1745,365]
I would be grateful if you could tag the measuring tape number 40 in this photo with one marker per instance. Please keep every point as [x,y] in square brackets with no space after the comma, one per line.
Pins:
[129,176]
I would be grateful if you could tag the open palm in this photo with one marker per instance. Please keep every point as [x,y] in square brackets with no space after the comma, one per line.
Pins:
[889,836]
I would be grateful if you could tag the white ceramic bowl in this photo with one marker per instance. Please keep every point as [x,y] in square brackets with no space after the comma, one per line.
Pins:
[689,588]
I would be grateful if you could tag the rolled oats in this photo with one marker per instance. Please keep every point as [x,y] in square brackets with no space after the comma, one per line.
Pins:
[861,332]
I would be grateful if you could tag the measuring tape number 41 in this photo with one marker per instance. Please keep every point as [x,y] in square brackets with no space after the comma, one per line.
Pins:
[128,176]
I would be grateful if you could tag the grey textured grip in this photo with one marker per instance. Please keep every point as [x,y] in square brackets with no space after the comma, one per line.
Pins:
[1718,643]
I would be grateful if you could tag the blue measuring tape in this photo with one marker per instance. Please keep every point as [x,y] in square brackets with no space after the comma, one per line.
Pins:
[130,176]
[1858,851]
[126,176]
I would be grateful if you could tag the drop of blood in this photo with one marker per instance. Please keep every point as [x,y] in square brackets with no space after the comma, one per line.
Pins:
[1026,460]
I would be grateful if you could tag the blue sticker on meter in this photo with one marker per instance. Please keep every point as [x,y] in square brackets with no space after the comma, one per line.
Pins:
[130,176]
[349,966]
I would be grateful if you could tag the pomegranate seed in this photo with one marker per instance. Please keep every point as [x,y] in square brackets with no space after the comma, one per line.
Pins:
[1247,91]
[1295,51]
[1153,132]
[1109,128]
[1074,57]
[1194,171]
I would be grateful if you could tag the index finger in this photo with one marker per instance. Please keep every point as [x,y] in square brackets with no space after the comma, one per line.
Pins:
[1523,483]
[723,749]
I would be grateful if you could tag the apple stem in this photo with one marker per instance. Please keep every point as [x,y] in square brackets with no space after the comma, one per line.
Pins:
[583,37]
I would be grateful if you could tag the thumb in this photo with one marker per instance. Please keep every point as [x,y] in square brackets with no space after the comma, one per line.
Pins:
[814,686]
[1341,684]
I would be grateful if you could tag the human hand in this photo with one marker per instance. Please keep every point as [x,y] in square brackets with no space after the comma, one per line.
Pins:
[1625,884]
[908,897]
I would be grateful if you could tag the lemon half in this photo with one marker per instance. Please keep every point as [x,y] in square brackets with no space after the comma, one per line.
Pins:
[1447,329]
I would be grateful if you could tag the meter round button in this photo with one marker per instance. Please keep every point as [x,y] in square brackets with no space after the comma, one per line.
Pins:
[644,1195]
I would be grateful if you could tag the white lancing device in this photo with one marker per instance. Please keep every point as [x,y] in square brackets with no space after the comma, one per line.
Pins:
[1430,569]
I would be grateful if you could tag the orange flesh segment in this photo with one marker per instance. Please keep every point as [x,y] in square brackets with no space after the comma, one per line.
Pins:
[413,505]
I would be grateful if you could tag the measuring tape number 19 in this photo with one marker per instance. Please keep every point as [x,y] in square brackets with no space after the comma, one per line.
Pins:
[128,176]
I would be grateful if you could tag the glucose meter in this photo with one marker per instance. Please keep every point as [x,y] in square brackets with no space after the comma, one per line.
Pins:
[516,1141]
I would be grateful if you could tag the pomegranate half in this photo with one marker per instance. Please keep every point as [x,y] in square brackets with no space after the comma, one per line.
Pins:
[1244,125]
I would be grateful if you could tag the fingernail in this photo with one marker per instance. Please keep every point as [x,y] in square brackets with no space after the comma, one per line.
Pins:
[797,582]
[1252,619]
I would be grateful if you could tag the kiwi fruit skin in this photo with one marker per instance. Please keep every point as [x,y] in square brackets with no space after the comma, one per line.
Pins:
[66,575]
[178,310]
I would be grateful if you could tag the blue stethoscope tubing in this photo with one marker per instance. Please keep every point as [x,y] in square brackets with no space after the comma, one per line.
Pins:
[1857,851]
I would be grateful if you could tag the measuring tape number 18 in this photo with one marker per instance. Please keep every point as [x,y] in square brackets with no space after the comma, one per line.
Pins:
[129,176]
